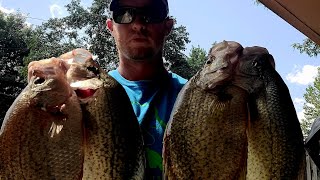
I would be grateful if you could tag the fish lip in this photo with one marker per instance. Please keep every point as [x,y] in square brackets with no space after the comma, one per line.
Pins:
[219,77]
[87,99]
[92,93]
[221,68]
[93,84]
[218,84]
[219,71]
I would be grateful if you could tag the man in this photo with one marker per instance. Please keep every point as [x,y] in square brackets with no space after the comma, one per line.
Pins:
[139,28]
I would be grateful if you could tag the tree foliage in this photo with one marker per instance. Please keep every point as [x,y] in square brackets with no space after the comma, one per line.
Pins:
[43,45]
[173,51]
[13,48]
[196,59]
[308,46]
[312,105]
[58,35]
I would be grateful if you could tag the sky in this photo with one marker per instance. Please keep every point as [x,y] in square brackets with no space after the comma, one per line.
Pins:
[208,21]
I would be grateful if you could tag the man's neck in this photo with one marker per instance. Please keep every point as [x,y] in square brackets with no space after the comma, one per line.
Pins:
[141,70]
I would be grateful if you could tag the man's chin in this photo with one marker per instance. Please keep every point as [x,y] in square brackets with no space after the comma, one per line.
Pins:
[141,57]
[140,46]
[141,53]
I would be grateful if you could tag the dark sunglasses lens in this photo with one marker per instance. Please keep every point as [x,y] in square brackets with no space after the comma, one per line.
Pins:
[155,16]
[123,16]
[127,15]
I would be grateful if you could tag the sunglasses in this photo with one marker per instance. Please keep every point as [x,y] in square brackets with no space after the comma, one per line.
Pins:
[126,15]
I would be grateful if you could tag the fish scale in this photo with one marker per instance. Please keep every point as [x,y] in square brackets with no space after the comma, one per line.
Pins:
[212,141]
[114,146]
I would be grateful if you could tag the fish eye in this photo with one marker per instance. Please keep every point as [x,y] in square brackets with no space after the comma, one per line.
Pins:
[39,80]
[209,62]
[255,63]
[93,69]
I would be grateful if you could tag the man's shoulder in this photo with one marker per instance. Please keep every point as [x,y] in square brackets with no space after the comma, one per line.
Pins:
[177,80]
[117,76]
[113,72]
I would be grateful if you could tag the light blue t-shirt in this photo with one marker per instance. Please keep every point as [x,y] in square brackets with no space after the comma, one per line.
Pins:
[159,96]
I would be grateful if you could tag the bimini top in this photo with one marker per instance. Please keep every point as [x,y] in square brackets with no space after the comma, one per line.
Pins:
[303,15]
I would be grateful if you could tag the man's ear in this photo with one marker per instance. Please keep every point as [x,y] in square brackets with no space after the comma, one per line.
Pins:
[109,23]
[169,25]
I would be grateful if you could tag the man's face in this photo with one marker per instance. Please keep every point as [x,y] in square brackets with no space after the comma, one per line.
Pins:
[139,40]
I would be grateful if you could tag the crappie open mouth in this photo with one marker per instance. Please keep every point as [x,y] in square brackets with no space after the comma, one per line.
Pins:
[86,89]
[225,68]
[83,74]
[85,93]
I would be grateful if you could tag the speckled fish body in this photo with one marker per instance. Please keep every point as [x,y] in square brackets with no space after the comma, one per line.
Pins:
[206,135]
[114,144]
[275,141]
[42,134]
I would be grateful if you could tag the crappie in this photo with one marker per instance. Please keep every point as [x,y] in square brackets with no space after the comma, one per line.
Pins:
[114,144]
[275,141]
[206,134]
[42,133]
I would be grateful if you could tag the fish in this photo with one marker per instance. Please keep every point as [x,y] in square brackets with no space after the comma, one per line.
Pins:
[114,146]
[206,135]
[42,134]
[275,140]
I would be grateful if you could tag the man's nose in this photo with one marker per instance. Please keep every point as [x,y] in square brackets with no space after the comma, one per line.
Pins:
[139,23]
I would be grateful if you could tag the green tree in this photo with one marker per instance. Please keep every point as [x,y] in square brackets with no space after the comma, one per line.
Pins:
[173,51]
[312,104]
[44,43]
[83,27]
[13,48]
[196,59]
[59,35]
[181,67]
[308,46]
